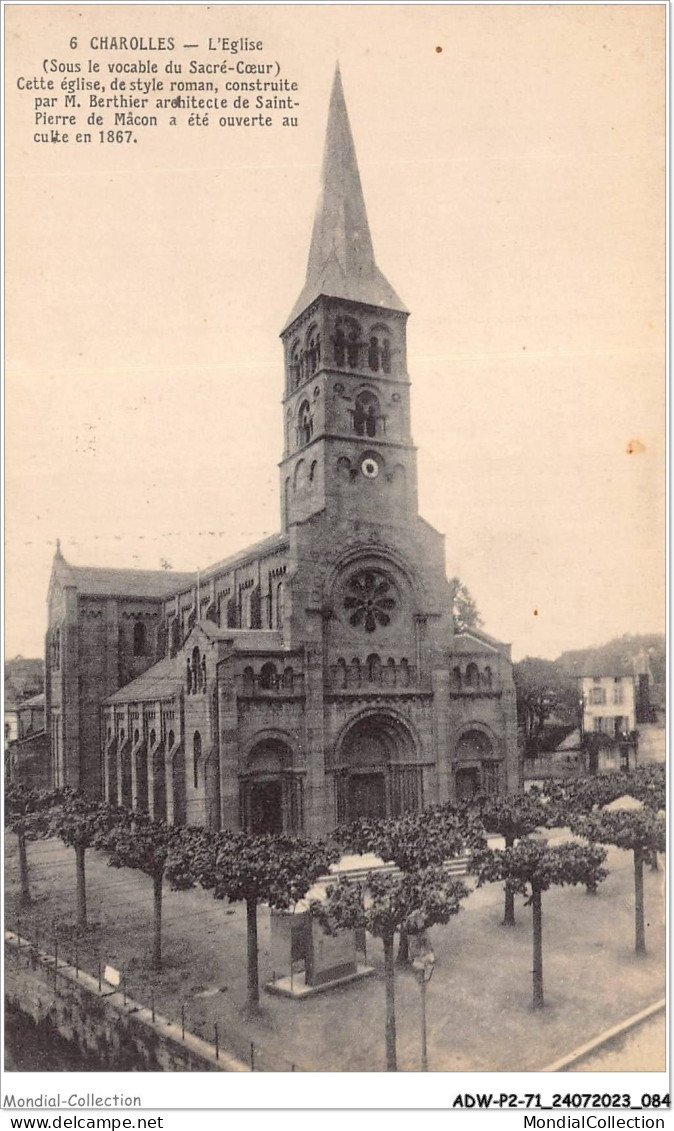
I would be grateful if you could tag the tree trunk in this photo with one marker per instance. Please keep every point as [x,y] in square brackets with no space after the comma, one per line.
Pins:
[389,976]
[538,947]
[509,911]
[81,886]
[253,999]
[158,885]
[639,930]
[403,948]
[23,870]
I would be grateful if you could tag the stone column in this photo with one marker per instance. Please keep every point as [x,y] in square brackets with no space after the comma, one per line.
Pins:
[317,818]
[441,736]
[120,772]
[150,750]
[73,772]
[228,743]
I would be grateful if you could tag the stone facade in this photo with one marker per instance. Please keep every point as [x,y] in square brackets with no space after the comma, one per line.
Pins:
[317,676]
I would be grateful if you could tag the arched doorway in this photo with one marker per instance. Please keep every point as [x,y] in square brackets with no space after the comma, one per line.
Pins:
[477,769]
[271,794]
[376,774]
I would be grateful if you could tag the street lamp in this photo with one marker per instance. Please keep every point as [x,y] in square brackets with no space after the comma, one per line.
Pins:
[423,965]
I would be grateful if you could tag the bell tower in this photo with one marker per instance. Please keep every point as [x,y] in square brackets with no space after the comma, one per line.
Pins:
[348,449]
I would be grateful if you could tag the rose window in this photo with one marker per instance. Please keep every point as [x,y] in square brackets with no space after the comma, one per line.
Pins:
[370,600]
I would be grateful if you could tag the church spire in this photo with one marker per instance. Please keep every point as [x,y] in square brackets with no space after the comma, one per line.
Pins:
[341,258]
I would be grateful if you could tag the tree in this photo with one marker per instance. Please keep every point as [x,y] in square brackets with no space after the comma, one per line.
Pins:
[648,783]
[513,818]
[583,795]
[79,822]
[28,814]
[640,831]
[542,689]
[531,867]
[413,841]
[464,609]
[264,868]
[144,844]
[388,903]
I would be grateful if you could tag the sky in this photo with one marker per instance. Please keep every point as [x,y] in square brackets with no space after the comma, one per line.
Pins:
[514,182]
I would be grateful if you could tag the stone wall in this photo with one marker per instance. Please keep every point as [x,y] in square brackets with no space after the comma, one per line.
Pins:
[119,1034]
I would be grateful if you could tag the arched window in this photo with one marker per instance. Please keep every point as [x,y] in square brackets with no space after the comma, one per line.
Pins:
[373,354]
[341,673]
[313,351]
[472,676]
[196,669]
[348,343]
[295,365]
[456,679]
[340,346]
[355,672]
[232,613]
[404,673]
[279,605]
[256,607]
[365,414]
[305,423]
[153,737]
[487,677]
[188,677]
[136,737]
[288,680]
[139,638]
[171,740]
[353,347]
[374,669]
[196,757]
[390,672]
[248,681]
[245,598]
[268,677]
[386,356]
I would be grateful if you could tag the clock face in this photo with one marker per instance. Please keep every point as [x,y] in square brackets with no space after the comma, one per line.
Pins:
[370,467]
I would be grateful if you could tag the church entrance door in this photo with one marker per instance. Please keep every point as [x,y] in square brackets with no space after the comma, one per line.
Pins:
[266,807]
[467,783]
[367,796]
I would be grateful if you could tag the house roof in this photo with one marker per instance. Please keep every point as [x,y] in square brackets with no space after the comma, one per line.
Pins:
[244,639]
[91,581]
[257,550]
[611,669]
[161,681]
[469,638]
[35,701]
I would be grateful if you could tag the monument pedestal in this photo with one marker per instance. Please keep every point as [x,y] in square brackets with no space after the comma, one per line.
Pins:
[307,961]
[297,988]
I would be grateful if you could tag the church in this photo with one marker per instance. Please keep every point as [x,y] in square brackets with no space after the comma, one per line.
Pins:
[317,676]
